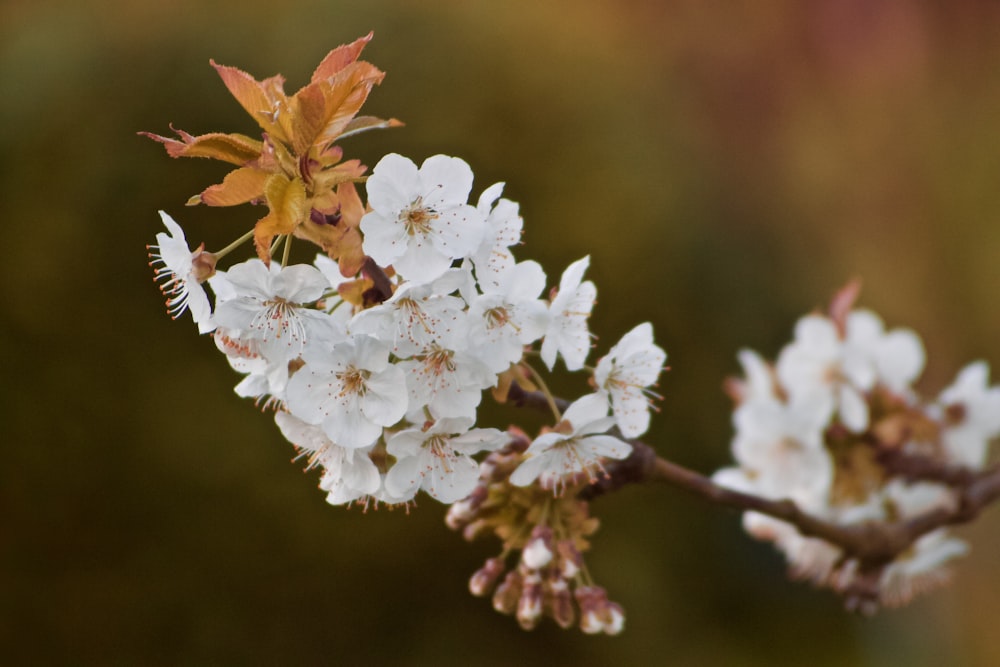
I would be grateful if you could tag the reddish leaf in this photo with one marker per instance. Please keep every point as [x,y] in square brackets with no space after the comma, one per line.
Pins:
[841,304]
[238,187]
[262,100]
[330,177]
[340,57]
[286,200]
[339,238]
[364,123]
[345,94]
[236,149]
[353,292]
[309,117]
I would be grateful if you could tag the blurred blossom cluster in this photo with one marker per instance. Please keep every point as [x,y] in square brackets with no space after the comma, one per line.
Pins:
[831,424]
[375,356]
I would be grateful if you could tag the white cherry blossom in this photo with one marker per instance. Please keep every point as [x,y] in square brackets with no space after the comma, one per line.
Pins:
[809,558]
[415,317]
[448,382]
[576,446]
[625,375]
[970,409]
[267,316]
[352,391]
[921,568]
[759,382]
[420,220]
[269,307]
[823,362]
[899,360]
[819,365]
[567,334]
[508,316]
[781,446]
[348,473]
[180,273]
[503,229]
[439,459]
[332,301]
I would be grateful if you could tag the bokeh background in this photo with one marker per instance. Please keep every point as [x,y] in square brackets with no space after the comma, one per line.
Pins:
[726,165]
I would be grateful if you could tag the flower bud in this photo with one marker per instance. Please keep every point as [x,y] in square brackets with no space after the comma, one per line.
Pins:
[529,606]
[203,264]
[505,597]
[562,603]
[485,578]
[592,601]
[614,621]
[538,552]
[471,531]
[462,512]
[571,560]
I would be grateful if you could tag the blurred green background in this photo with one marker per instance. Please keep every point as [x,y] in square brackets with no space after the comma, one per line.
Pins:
[726,165]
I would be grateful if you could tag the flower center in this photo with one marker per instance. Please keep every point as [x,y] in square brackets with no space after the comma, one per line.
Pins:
[417,217]
[499,317]
[438,446]
[440,361]
[415,316]
[279,320]
[354,381]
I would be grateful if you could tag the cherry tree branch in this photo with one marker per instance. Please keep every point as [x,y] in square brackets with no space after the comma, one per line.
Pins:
[872,544]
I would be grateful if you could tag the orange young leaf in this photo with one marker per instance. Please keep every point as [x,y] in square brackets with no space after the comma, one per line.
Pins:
[353,291]
[309,111]
[361,124]
[340,57]
[345,94]
[264,100]
[516,373]
[286,199]
[502,387]
[334,227]
[236,149]
[238,187]
[325,180]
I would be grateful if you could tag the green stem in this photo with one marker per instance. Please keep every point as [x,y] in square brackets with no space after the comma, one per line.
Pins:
[545,390]
[288,250]
[274,246]
[234,245]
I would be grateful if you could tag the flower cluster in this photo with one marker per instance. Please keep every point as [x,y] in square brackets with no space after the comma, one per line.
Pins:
[399,379]
[827,426]
[375,356]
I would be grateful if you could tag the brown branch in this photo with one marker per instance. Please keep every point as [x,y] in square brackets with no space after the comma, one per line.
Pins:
[872,544]
[914,468]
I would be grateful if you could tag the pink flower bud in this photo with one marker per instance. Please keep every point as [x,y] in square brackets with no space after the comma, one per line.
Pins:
[529,606]
[505,598]
[562,603]
[485,578]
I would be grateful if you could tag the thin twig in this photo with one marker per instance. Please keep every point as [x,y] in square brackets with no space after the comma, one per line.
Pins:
[872,544]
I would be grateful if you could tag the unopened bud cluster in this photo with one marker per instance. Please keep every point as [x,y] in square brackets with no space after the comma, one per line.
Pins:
[546,536]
